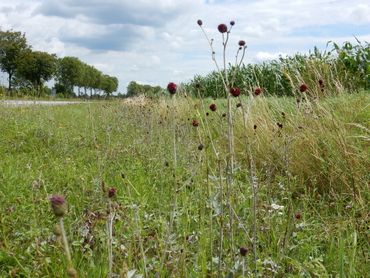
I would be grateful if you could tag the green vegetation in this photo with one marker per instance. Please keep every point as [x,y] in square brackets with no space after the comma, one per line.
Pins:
[28,71]
[310,164]
[344,68]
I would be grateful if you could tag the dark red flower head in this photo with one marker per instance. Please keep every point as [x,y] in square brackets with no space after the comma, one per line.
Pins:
[241,43]
[258,91]
[321,82]
[298,216]
[303,88]
[235,91]
[195,123]
[200,22]
[112,192]
[172,87]
[243,251]
[222,28]
[58,205]
[213,107]
[232,22]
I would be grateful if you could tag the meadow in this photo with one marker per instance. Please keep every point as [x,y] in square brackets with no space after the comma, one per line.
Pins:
[296,204]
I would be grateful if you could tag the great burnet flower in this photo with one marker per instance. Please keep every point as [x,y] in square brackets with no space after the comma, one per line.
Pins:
[200,22]
[303,88]
[213,107]
[232,22]
[258,91]
[112,192]
[58,204]
[243,251]
[195,123]
[222,28]
[241,43]
[171,88]
[235,91]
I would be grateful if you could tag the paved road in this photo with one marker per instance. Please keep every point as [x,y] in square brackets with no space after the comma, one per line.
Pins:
[14,103]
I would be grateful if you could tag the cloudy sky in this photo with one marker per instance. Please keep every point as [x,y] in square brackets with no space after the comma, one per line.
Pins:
[157,41]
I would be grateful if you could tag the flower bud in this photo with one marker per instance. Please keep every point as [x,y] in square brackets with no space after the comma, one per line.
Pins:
[58,205]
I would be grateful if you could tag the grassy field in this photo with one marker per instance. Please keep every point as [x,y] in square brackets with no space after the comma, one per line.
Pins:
[301,180]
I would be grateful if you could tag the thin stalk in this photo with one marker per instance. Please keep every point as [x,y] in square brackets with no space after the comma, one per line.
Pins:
[138,230]
[110,239]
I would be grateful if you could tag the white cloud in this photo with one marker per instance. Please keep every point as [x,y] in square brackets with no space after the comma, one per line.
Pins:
[158,41]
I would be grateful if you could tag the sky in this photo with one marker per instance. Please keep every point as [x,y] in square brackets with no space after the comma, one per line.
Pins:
[155,42]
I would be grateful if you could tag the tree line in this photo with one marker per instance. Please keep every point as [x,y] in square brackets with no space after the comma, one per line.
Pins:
[29,70]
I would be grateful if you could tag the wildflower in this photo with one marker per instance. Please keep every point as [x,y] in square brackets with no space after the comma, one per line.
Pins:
[235,91]
[255,127]
[321,83]
[243,251]
[200,22]
[213,107]
[280,125]
[298,216]
[58,205]
[207,114]
[195,123]
[224,115]
[303,88]
[258,91]
[112,192]
[222,28]
[172,87]
[200,147]
[241,43]
[232,22]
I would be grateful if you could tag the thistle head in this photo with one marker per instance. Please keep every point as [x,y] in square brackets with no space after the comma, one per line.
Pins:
[235,91]
[303,88]
[258,91]
[171,88]
[58,205]
[222,28]
[213,107]
[112,192]
[243,251]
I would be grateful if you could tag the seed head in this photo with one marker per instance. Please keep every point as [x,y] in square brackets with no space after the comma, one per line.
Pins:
[235,91]
[58,205]
[222,28]
[303,88]
[172,87]
[200,147]
[241,43]
[258,91]
[195,123]
[232,22]
[200,22]
[213,107]
[298,216]
[112,192]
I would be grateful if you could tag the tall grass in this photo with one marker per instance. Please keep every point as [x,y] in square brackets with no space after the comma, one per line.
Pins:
[312,171]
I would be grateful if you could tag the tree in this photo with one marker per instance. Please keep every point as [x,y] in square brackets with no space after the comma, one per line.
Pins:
[12,45]
[37,67]
[109,84]
[69,72]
